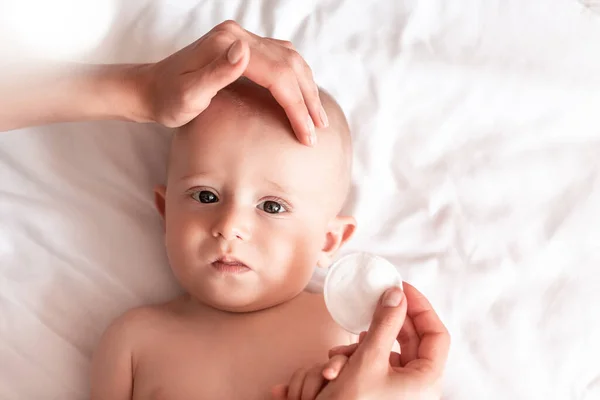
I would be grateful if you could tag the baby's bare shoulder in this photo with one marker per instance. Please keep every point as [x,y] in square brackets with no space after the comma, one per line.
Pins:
[313,312]
[142,321]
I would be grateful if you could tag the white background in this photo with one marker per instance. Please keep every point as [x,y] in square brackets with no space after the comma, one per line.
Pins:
[477,148]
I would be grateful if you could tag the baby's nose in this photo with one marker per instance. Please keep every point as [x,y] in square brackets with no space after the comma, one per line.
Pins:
[232,224]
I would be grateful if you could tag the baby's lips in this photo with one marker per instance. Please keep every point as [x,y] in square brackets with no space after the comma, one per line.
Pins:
[230,261]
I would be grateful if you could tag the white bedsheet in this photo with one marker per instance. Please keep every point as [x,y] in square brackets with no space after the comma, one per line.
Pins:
[477,143]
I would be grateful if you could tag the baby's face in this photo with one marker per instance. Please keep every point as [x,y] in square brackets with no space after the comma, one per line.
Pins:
[249,211]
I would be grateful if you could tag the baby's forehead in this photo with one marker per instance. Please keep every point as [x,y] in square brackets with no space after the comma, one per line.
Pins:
[251,122]
[244,124]
[225,127]
[251,140]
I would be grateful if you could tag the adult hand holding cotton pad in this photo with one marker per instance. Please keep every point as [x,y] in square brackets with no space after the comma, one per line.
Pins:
[354,285]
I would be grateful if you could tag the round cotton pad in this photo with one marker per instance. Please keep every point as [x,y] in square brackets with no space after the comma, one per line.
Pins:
[353,287]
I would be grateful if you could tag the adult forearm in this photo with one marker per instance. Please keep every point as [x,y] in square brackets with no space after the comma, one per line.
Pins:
[73,92]
[172,91]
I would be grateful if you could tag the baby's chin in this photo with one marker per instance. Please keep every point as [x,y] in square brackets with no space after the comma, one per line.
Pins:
[236,301]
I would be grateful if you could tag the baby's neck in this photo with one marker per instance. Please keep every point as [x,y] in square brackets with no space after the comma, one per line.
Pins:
[192,305]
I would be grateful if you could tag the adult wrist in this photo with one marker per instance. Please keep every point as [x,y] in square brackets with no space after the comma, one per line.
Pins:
[123,90]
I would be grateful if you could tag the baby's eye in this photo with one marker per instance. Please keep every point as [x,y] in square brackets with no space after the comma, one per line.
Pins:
[205,196]
[271,207]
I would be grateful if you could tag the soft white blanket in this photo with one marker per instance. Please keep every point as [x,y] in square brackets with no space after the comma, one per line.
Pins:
[477,147]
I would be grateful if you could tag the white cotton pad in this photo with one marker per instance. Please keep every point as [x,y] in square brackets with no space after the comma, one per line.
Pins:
[354,285]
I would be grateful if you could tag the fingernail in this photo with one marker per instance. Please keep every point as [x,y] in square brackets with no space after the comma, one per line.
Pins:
[323,116]
[235,52]
[329,373]
[312,138]
[392,297]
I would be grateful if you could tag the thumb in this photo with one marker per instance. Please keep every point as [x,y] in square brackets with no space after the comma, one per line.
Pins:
[387,321]
[279,392]
[223,70]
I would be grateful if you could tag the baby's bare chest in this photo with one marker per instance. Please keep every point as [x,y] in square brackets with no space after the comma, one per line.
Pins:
[239,359]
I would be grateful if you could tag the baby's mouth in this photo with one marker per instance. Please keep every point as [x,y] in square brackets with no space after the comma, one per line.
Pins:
[230,265]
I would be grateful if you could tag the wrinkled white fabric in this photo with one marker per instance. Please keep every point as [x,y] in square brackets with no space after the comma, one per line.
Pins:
[477,151]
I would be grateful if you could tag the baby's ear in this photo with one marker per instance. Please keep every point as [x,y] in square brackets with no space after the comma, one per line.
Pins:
[339,231]
[159,199]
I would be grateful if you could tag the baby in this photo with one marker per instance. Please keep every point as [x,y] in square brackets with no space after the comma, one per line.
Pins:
[248,213]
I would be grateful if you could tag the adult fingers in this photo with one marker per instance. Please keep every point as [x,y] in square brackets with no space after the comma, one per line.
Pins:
[284,43]
[280,70]
[284,72]
[222,71]
[435,339]
[282,82]
[304,75]
[395,359]
[409,341]
[308,87]
[334,366]
[346,350]
[295,387]
[387,321]
[238,30]
[279,392]
[361,337]
[313,383]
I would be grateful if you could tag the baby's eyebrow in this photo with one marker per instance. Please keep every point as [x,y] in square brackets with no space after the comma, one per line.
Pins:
[193,176]
[203,174]
[278,187]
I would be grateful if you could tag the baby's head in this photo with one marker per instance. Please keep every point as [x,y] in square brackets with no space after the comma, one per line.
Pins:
[248,210]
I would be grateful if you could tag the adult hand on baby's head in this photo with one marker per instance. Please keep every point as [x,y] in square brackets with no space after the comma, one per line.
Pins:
[373,372]
[182,85]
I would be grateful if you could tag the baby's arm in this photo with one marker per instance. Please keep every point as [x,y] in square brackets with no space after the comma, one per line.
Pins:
[112,366]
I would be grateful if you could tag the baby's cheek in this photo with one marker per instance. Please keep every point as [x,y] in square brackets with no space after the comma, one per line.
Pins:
[182,240]
[303,256]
